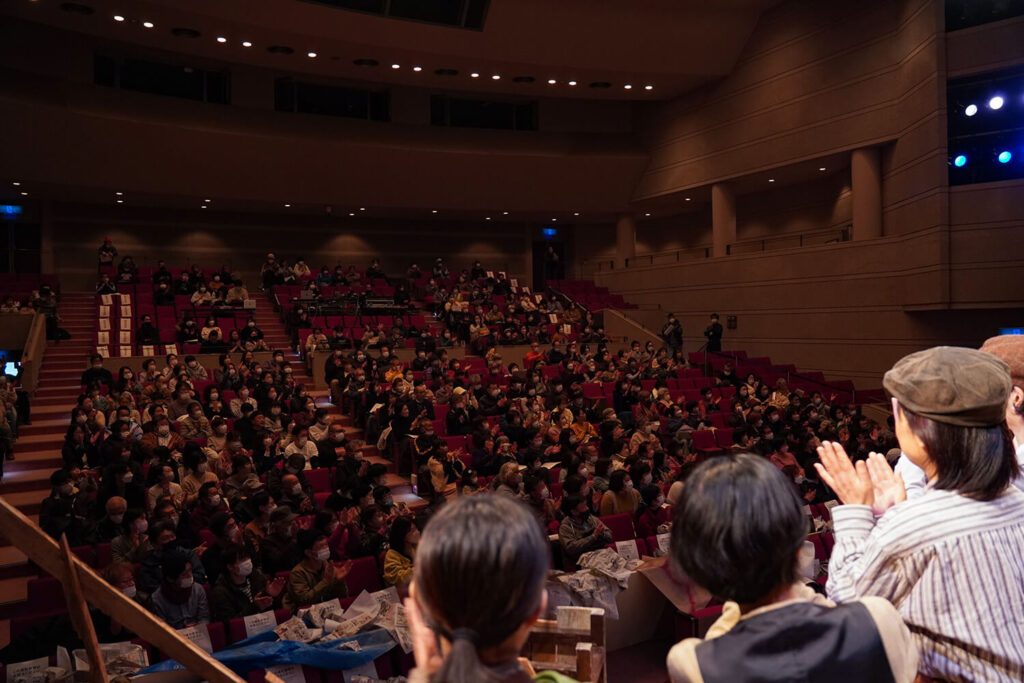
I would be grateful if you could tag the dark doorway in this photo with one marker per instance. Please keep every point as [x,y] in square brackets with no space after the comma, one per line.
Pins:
[546,268]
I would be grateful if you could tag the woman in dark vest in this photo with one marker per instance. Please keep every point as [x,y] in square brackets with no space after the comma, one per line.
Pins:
[738,532]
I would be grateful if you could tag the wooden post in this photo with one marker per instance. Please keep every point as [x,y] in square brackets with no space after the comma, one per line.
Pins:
[79,611]
[45,552]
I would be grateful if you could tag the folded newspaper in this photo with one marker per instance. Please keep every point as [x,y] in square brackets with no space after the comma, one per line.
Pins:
[326,621]
[608,562]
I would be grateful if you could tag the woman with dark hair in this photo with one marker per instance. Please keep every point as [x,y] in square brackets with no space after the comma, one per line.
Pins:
[403,538]
[651,518]
[620,496]
[772,628]
[949,558]
[477,589]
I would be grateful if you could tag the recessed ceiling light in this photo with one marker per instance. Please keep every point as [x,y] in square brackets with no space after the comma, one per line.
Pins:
[120,201]
[417,69]
[287,206]
[647,214]
[487,218]
[351,213]
[246,43]
[552,81]
[504,213]
[362,208]
[148,24]
[474,75]
[648,87]
[496,77]
[311,55]
[118,17]
[207,200]
[396,66]
[119,194]
[822,168]
[575,213]
[433,211]
[221,39]
[771,180]
[628,86]
[24,194]
[687,199]
[572,82]
[202,206]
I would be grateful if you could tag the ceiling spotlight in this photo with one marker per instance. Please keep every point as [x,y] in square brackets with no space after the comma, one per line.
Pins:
[287,206]
[148,24]
[504,213]
[246,43]
[648,87]
[396,66]
[996,102]
[487,218]
[118,17]
[554,220]
[311,55]
[24,194]
[16,183]
[496,77]
[1004,157]
[575,213]
[572,82]
[351,213]
[687,199]
[417,69]
[628,86]
[119,194]
[202,206]
[433,211]
[552,81]
[771,180]
[121,201]
[821,168]
[960,161]
[648,215]
[207,200]
[971,109]
[362,208]
[474,75]
[221,39]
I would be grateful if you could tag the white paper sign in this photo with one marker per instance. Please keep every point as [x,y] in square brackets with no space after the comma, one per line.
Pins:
[198,634]
[627,549]
[289,673]
[573,618]
[126,323]
[368,670]
[259,623]
[31,671]
[663,542]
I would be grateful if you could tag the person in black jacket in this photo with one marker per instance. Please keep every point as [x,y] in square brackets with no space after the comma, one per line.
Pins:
[672,333]
[241,589]
[713,332]
[97,373]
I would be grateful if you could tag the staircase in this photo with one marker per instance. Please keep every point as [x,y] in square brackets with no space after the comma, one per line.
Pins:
[26,480]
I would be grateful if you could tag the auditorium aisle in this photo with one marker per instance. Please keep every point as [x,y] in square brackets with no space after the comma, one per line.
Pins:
[26,480]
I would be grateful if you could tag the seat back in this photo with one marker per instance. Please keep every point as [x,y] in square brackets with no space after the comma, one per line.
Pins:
[621,526]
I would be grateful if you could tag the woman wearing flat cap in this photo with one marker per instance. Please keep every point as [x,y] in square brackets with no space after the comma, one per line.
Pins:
[951,559]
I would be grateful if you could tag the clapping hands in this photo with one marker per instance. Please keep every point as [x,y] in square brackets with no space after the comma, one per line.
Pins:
[871,482]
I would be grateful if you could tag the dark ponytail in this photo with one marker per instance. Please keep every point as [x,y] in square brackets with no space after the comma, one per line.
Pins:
[479,574]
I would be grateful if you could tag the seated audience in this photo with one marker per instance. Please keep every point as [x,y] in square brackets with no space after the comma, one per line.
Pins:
[242,590]
[580,531]
[179,600]
[315,579]
[398,561]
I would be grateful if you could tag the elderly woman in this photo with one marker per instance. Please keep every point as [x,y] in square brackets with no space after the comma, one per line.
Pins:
[950,558]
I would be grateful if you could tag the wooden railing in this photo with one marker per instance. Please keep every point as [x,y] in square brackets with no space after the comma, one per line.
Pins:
[33,352]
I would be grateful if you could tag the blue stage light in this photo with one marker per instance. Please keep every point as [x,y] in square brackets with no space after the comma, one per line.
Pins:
[971,109]
[1004,157]
[960,161]
[996,102]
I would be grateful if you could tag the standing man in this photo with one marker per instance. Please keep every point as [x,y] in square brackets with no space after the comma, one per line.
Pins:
[713,332]
[672,333]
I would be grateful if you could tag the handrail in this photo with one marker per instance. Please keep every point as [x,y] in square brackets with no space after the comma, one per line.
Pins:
[44,551]
[33,352]
[773,242]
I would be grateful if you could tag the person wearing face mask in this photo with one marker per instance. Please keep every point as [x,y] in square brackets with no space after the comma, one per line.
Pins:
[242,589]
[508,481]
[165,486]
[315,578]
[279,551]
[111,525]
[294,465]
[132,545]
[332,447]
[123,479]
[108,630]
[180,600]
[620,497]
[301,445]
[652,518]
[209,502]
[580,532]
[194,425]
[227,534]
[166,547]
[537,497]
[195,369]
[261,505]
[294,496]
[196,472]
[97,373]
[242,479]
[61,512]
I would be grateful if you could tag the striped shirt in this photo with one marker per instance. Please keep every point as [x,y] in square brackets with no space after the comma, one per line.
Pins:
[953,567]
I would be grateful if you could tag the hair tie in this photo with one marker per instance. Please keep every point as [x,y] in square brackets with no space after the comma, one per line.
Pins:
[466,634]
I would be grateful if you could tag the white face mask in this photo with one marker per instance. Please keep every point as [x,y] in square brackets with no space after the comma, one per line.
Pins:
[127,478]
[141,526]
[324,554]
[186,582]
[163,431]
[129,591]
[174,520]
[214,499]
[244,568]
[297,489]
[629,485]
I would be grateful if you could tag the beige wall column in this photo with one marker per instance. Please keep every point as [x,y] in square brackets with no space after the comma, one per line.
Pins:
[866,178]
[625,240]
[723,218]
